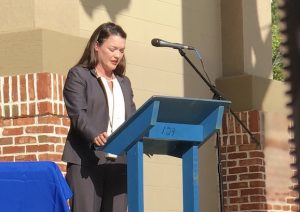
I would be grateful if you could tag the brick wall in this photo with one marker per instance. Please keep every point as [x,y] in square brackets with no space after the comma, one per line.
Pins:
[257,178]
[33,120]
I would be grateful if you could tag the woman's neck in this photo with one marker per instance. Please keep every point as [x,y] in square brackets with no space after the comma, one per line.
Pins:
[108,75]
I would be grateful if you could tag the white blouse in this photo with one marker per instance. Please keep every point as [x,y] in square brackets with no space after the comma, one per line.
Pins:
[116,106]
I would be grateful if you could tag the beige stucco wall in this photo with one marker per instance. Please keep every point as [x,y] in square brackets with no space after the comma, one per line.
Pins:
[42,35]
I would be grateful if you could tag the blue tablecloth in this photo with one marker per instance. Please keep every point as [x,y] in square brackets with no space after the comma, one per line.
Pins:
[33,187]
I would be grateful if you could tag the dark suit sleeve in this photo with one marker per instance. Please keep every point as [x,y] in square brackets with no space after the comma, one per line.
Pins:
[76,104]
[132,105]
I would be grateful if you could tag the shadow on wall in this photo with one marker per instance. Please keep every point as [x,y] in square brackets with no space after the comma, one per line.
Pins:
[203,27]
[112,9]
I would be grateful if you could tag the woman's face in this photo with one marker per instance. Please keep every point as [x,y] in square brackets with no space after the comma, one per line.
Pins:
[110,52]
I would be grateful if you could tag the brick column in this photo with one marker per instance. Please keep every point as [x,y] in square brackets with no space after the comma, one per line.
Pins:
[250,173]
[33,121]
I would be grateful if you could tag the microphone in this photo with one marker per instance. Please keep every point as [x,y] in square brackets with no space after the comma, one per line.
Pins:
[161,43]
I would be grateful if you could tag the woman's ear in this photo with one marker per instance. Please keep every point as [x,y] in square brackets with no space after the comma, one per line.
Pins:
[96,46]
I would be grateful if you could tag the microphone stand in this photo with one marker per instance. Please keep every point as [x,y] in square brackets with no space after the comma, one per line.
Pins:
[217,95]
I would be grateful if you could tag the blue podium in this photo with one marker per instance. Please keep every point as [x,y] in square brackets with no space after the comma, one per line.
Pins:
[169,126]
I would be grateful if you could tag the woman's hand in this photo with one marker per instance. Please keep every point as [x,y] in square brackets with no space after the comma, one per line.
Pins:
[101,139]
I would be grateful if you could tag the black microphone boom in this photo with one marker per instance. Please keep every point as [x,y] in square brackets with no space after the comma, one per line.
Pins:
[161,43]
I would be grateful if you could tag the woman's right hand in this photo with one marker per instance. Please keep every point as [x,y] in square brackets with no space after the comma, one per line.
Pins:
[101,139]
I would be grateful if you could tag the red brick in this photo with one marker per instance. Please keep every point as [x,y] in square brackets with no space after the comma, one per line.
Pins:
[238,185]
[229,178]
[253,206]
[251,176]
[230,124]
[269,207]
[238,155]
[238,170]
[6,158]
[252,161]
[49,139]
[231,208]
[23,91]
[252,191]
[291,200]
[254,121]
[295,207]
[66,122]
[244,119]
[44,86]
[286,207]
[14,89]
[15,110]
[54,86]
[61,130]
[239,140]
[7,122]
[40,148]
[232,140]
[24,121]
[256,168]
[62,110]
[12,131]
[256,184]
[49,120]
[7,111]
[231,193]
[59,148]
[25,140]
[6,141]
[63,139]
[55,108]
[31,87]
[258,199]
[247,147]
[24,109]
[44,107]
[224,140]
[26,157]
[256,154]
[50,156]
[277,207]
[60,87]
[40,129]
[246,139]
[234,200]
[228,149]
[13,149]
[293,193]
[32,108]
[228,163]
[6,90]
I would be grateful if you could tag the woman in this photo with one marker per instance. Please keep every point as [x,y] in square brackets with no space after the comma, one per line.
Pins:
[98,98]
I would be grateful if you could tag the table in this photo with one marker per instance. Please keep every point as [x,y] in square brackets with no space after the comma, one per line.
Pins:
[33,186]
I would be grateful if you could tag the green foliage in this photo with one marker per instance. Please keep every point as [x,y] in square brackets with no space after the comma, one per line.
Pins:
[277,65]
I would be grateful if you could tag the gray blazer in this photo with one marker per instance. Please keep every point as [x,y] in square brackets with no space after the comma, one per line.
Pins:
[87,108]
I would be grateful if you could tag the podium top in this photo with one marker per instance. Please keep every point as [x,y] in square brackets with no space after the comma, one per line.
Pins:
[184,110]
[168,118]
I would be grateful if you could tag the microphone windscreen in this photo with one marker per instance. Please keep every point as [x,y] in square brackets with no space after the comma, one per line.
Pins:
[155,42]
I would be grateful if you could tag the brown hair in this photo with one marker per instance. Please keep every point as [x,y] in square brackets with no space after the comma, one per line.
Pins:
[89,58]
